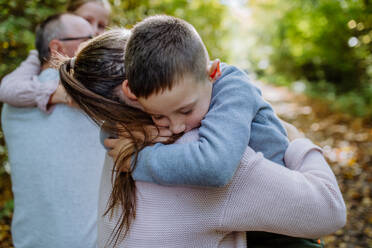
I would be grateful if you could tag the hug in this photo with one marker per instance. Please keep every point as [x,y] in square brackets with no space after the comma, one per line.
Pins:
[195,156]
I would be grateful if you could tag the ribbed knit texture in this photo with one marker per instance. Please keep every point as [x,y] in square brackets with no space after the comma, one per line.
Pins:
[262,196]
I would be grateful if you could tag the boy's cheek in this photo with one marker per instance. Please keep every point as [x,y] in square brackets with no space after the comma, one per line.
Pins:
[194,122]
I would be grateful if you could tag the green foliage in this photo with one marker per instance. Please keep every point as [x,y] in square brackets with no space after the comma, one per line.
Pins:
[318,41]
[127,13]
[7,209]
[18,20]
[3,158]
[355,102]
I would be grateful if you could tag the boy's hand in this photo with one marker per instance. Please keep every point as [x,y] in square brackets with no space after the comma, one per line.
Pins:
[154,134]
[292,131]
[124,142]
[115,146]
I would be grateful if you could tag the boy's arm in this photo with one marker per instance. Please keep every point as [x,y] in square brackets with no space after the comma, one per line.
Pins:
[303,202]
[22,88]
[224,136]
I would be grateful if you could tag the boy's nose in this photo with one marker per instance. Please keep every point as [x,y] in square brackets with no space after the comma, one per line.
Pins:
[176,129]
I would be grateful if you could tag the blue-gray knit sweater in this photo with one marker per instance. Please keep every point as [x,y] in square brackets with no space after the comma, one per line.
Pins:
[238,116]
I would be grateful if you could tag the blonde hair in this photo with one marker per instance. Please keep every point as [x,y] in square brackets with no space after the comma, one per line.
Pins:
[73,5]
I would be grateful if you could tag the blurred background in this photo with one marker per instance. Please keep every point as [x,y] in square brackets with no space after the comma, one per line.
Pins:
[312,59]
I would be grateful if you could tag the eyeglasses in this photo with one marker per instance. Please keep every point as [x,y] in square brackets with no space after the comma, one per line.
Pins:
[76,38]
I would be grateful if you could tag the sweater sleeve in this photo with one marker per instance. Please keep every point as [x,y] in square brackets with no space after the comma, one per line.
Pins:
[223,136]
[303,202]
[21,88]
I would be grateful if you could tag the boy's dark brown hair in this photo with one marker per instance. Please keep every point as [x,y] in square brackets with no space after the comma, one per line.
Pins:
[93,78]
[161,50]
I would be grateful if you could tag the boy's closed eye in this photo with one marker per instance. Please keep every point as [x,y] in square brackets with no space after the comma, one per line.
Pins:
[187,112]
[183,112]
[157,117]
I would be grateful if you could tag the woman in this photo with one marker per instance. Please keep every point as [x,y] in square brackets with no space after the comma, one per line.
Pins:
[21,88]
[307,203]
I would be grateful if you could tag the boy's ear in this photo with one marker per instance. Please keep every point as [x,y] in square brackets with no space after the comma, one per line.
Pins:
[127,92]
[214,70]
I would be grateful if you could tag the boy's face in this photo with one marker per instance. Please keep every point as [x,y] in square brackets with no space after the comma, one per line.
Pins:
[182,108]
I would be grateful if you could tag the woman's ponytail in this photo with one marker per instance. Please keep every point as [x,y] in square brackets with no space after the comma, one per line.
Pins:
[90,79]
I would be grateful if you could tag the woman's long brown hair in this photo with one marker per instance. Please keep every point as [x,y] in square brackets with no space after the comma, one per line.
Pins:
[91,79]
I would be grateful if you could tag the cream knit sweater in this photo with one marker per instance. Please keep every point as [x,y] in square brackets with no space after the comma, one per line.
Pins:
[301,200]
